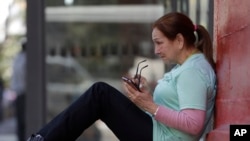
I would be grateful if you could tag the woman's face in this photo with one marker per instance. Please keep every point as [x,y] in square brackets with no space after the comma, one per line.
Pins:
[166,49]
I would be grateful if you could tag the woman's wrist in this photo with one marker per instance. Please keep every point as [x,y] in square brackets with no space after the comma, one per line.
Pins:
[153,109]
[154,114]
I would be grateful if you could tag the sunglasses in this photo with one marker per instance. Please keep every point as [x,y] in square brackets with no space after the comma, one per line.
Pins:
[137,77]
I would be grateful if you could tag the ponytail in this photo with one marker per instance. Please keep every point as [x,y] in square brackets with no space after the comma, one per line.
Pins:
[204,44]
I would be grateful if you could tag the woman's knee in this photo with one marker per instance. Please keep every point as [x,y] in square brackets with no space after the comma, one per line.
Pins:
[100,85]
[104,88]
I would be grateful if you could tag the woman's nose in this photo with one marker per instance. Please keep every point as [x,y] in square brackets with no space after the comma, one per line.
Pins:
[156,51]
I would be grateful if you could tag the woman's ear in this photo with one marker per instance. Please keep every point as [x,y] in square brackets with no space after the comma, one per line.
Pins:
[180,40]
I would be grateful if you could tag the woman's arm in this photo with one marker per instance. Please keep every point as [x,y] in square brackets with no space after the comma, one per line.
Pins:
[187,120]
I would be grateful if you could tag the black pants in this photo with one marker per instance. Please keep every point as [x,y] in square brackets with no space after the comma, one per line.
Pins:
[100,101]
[20,115]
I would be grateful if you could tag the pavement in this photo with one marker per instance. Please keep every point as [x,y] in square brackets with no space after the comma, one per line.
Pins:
[7,130]
[8,127]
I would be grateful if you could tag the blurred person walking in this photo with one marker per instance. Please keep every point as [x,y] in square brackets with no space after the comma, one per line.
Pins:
[1,98]
[18,85]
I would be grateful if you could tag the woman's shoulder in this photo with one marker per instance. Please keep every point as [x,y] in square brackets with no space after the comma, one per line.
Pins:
[197,62]
[196,65]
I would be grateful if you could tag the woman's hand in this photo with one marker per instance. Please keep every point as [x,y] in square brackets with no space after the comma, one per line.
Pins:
[143,99]
[144,86]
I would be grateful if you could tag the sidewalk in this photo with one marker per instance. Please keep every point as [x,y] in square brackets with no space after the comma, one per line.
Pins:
[7,131]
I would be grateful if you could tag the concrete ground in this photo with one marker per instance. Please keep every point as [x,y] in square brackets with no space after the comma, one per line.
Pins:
[8,126]
[7,130]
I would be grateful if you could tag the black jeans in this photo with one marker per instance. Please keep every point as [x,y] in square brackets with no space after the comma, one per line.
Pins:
[20,115]
[104,102]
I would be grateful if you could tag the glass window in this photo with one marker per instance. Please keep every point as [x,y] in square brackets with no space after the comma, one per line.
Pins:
[105,38]
[97,2]
[59,73]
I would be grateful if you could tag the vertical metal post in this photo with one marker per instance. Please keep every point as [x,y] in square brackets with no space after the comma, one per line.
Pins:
[211,18]
[187,6]
[198,12]
[174,5]
[35,99]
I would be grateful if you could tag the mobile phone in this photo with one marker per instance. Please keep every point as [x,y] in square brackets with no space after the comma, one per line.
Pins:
[131,83]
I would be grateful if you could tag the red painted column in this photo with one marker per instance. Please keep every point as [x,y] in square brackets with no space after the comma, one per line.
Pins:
[232,45]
